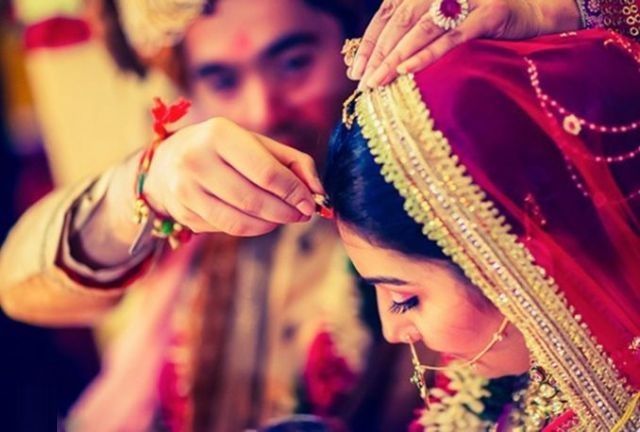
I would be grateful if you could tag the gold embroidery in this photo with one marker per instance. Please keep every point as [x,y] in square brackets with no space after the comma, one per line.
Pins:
[348,112]
[349,50]
[622,16]
[454,212]
[540,402]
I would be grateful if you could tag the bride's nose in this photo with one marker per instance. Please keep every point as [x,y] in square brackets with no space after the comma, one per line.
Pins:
[411,336]
[400,332]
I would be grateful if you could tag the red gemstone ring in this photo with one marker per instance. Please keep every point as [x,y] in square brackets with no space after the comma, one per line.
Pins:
[448,14]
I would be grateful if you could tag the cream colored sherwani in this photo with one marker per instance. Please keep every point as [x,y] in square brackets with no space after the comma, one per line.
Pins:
[291,284]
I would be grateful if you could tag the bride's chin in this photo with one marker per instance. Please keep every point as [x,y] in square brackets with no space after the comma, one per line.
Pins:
[489,372]
[492,371]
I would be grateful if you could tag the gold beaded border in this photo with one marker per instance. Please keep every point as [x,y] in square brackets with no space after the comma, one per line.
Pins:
[454,212]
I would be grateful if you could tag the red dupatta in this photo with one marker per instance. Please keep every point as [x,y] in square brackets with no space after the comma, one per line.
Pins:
[522,160]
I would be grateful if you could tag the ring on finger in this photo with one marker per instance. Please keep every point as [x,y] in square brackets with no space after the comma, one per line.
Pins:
[449,14]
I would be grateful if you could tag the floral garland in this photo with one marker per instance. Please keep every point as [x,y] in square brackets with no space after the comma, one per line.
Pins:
[327,377]
[457,405]
[463,400]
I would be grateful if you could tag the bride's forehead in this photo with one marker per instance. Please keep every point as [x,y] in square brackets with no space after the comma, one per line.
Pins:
[372,258]
[368,258]
[359,246]
[366,253]
[351,238]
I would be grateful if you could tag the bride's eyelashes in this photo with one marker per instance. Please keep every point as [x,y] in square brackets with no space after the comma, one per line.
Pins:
[402,307]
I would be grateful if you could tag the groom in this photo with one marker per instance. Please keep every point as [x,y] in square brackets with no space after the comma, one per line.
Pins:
[281,322]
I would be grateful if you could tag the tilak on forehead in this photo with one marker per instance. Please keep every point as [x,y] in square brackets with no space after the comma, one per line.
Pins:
[241,42]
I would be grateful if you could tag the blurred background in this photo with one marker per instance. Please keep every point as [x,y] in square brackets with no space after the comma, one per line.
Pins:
[44,46]
[42,371]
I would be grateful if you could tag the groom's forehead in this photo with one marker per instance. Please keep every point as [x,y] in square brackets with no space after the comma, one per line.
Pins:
[265,17]
[245,28]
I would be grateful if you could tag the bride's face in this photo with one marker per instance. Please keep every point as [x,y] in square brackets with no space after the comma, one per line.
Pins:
[429,301]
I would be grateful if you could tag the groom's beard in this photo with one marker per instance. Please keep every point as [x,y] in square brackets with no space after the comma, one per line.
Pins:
[308,128]
[306,138]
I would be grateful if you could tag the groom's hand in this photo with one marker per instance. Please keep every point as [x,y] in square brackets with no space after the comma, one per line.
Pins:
[217,177]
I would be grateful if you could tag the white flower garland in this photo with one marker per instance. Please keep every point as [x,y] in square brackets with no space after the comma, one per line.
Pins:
[459,410]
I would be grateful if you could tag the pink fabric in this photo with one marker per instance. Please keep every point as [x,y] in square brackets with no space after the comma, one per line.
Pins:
[124,397]
[482,99]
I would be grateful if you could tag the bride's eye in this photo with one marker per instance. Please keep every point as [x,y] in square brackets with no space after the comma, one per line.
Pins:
[402,307]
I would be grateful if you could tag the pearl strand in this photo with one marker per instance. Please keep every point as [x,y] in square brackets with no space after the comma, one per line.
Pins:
[573,124]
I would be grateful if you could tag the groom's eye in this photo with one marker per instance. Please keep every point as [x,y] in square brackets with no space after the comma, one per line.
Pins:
[294,66]
[402,307]
[223,82]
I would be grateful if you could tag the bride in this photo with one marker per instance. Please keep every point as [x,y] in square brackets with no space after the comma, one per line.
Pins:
[493,199]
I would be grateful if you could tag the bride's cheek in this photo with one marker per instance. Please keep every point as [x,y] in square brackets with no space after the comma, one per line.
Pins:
[448,331]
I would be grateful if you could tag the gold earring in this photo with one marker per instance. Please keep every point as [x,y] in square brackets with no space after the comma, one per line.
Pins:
[348,109]
[349,50]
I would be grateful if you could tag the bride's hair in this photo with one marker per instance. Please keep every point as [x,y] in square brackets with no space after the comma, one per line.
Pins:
[362,199]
